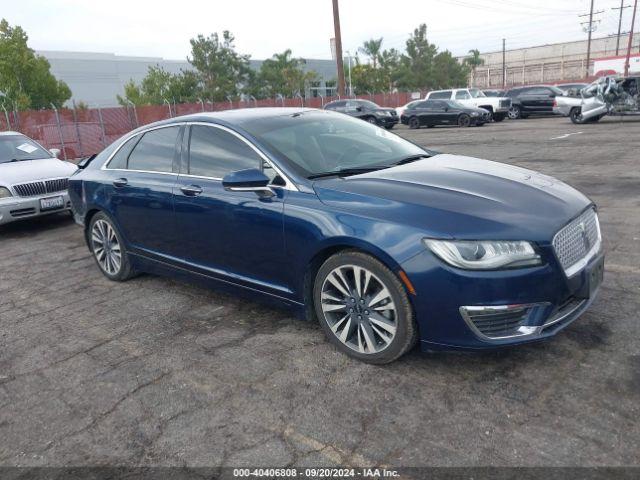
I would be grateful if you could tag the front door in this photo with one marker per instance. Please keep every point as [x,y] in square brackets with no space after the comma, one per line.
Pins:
[237,236]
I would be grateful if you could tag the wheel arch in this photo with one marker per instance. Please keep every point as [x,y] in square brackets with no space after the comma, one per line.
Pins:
[330,248]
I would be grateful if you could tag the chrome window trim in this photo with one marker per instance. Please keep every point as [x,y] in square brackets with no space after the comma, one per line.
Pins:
[289,185]
[584,261]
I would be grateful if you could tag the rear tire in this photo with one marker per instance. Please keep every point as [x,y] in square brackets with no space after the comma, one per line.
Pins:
[576,116]
[515,112]
[363,308]
[108,249]
[414,123]
[464,120]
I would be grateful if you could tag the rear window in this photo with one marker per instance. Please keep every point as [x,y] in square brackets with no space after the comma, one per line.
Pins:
[18,148]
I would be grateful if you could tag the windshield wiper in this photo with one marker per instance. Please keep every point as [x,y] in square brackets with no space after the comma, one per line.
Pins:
[343,172]
[411,158]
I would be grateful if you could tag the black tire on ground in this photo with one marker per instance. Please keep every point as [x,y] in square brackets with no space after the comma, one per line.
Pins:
[414,123]
[498,117]
[389,127]
[124,271]
[372,120]
[515,112]
[575,115]
[464,120]
[406,329]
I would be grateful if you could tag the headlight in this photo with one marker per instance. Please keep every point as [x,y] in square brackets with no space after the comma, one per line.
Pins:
[384,113]
[484,255]
[474,114]
[4,192]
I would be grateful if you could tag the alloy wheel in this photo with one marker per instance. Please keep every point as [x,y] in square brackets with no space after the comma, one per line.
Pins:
[106,247]
[514,113]
[359,309]
[464,120]
[372,120]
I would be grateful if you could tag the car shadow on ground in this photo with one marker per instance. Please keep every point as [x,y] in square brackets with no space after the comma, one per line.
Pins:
[31,226]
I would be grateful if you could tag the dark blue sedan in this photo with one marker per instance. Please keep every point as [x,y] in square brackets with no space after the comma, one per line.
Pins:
[383,242]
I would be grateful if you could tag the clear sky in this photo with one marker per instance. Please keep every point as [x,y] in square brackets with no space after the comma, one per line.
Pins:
[261,27]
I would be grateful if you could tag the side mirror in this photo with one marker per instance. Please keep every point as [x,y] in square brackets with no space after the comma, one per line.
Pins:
[250,180]
[55,152]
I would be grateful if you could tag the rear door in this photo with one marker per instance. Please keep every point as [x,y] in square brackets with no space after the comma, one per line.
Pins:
[237,235]
[142,176]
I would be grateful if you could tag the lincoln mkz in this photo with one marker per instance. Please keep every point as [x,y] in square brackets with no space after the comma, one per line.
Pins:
[385,243]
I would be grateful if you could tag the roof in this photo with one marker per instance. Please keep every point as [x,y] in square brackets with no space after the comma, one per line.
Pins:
[10,133]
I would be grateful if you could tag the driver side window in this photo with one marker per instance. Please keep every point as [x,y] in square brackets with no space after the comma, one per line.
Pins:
[463,95]
[214,152]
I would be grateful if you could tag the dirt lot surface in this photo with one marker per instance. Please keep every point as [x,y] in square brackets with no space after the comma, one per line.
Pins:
[157,372]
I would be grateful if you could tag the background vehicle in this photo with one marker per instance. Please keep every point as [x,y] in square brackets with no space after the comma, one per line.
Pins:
[382,241]
[532,100]
[430,113]
[571,89]
[365,110]
[472,97]
[33,181]
[493,93]
[401,110]
[609,96]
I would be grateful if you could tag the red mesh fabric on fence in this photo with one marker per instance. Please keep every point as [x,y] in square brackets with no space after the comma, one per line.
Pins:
[84,132]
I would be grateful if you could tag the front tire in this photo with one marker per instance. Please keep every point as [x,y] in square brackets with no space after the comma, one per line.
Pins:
[363,308]
[108,249]
[576,116]
[372,120]
[464,120]
[414,123]
[514,112]
[498,117]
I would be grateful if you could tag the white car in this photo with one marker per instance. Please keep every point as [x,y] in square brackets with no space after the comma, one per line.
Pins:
[33,181]
[401,110]
[474,98]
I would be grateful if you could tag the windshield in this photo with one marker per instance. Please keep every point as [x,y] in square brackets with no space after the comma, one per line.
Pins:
[322,142]
[475,93]
[369,104]
[18,148]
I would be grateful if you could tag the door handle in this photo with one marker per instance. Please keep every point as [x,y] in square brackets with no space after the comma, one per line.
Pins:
[120,182]
[191,190]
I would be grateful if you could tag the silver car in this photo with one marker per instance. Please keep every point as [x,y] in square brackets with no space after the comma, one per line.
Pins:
[33,181]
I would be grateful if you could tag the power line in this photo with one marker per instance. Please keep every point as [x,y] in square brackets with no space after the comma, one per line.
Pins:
[621,8]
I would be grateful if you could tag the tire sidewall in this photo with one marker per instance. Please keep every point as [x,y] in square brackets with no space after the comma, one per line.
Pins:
[464,120]
[515,112]
[414,123]
[405,318]
[125,268]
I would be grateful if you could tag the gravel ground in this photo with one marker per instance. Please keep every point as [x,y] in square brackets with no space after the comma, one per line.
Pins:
[157,372]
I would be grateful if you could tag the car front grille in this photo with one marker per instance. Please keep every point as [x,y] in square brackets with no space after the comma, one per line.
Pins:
[505,103]
[576,241]
[497,322]
[42,187]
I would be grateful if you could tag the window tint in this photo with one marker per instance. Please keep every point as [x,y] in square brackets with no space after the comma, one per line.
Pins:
[539,91]
[337,104]
[462,95]
[155,150]
[119,160]
[445,95]
[214,152]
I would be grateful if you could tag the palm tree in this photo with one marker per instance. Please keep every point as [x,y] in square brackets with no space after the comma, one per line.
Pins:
[474,61]
[371,48]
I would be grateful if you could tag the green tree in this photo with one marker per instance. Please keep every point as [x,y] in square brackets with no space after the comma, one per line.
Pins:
[372,48]
[25,78]
[159,85]
[474,61]
[448,72]
[222,71]
[416,65]
[282,73]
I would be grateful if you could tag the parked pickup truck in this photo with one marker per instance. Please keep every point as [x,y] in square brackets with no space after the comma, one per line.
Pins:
[472,97]
[605,96]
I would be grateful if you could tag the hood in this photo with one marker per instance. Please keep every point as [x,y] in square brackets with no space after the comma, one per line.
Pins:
[385,109]
[13,173]
[451,196]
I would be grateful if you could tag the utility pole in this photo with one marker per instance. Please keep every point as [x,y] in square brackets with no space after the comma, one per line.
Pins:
[504,67]
[590,29]
[633,22]
[621,8]
[339,59]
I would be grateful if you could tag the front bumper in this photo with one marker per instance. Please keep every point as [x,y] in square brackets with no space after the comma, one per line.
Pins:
[19,208]
[551,300]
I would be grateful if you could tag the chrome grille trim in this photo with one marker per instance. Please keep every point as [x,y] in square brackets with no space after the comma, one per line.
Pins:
[577,242]
[41,187]
[499,322]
